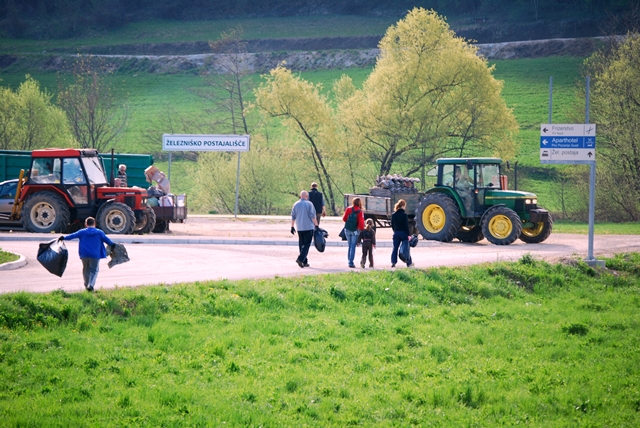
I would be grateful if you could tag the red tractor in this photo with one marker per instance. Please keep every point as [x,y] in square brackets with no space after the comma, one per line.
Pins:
[65,186]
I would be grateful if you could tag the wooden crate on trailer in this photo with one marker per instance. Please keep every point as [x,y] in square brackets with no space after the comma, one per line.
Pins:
[371,204]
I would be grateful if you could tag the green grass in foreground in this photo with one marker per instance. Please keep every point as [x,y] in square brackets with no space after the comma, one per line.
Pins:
[6,257]
[503,344]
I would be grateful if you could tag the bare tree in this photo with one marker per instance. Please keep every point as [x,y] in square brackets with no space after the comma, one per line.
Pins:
[95,117]
[227,86]
[169,121]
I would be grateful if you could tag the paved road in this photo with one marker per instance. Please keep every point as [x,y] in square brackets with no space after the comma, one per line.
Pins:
[188,262]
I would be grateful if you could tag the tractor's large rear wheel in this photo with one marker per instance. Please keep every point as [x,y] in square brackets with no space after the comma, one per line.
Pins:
[470,234]
[538,233]
[501,226]
[116,218]
[45,212]
[438,217]
[146,222]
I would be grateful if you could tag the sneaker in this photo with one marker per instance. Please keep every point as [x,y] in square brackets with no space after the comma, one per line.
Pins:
[300,263]
[352,266]
[370,266]
[362,265]
[411,265]
[305,264]
[90,288]
[393,265]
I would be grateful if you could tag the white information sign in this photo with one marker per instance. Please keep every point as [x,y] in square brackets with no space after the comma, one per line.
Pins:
[567,143]
[205,143]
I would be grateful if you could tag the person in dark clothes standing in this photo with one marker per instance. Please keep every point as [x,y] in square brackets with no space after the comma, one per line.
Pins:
[303,215]
[316,198]
[91,250]
[400,226]
[368,239]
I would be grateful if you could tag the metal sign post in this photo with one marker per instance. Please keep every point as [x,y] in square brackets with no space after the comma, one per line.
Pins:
[208,143]
[573,144]
[591,260]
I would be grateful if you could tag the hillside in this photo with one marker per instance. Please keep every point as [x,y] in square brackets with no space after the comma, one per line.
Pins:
[500,20]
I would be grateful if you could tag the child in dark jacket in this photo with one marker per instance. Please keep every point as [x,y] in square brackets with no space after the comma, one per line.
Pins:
[368,239]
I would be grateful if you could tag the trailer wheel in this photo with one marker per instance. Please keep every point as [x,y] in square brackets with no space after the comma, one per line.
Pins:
[501,226]
[116,218]
[45,212]
[438,217]
[146,223]
[161,226]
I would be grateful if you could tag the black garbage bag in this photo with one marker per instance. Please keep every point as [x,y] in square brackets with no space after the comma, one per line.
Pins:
[413,241]
[401,254]
[53,256]
[342,235]
[118,255]
[320,239]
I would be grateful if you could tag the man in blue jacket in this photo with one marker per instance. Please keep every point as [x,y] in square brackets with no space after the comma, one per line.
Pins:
[91,250]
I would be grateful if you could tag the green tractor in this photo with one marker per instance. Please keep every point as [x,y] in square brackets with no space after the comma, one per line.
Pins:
[470,202]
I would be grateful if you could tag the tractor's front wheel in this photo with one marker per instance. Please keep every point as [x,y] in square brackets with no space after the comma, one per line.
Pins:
[538,233]
[116,218]
[501,226]
[438,217]
[45,212]
[146,223]
[470,234]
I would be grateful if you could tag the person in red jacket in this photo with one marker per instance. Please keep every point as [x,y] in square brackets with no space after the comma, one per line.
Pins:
[91,250]
[353,223]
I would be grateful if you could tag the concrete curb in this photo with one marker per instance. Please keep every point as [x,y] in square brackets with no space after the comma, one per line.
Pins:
[184,240]
[22,261]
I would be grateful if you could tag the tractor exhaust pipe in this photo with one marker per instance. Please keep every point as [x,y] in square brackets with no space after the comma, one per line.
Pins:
[112,180]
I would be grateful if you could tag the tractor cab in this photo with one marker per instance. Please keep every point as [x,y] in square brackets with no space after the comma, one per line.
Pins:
[65,186]
[74,172]
[470,180]
[470,201]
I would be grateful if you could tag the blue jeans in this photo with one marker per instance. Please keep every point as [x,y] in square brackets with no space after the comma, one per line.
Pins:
[90,268]
[352,239]
[400,238]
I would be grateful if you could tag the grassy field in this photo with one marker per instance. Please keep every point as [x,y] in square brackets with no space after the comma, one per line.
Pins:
[189,31]
[504,344]
[599,228]
[526,91]
[7,257]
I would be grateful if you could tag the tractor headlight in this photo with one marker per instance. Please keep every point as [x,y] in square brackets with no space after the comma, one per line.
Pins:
[534,201]
[527,201]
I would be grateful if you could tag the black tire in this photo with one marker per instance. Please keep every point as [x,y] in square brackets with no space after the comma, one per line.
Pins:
[116,218]
[161,226]
[146,223]
[438,217]
[470,234]
[45,212]
[537,234]
[501,226]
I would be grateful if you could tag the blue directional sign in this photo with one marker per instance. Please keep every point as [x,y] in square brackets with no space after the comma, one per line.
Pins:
[567,143]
